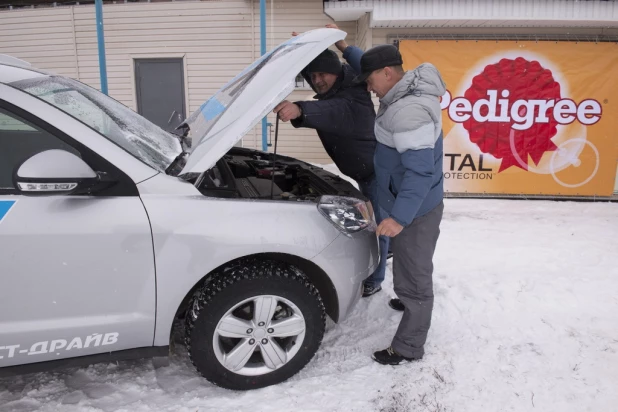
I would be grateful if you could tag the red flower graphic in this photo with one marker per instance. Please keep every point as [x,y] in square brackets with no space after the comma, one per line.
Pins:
[524,80]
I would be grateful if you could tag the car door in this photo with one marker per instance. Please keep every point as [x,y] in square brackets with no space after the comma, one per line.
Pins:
[77,272]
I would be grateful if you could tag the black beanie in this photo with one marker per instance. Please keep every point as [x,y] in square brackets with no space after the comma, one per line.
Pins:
[326,62]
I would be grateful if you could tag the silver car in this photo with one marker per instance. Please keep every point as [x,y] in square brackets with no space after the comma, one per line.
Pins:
[116,235]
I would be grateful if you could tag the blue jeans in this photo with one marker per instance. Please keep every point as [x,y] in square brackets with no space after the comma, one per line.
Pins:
[369,188]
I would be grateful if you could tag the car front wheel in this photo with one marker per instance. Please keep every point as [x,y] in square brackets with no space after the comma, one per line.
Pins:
[255,323]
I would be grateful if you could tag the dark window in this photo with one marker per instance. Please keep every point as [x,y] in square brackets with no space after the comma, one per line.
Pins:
[20,140]
[160,87]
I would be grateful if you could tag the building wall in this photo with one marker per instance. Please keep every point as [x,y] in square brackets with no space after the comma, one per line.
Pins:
[365,32]
[216,39]
[44,37]
[380,36]
[213,37]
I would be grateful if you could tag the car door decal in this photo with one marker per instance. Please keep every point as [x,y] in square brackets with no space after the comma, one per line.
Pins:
[41,348]
[5,207]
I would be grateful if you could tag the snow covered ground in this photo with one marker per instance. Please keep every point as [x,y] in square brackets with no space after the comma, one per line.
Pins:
[525,318]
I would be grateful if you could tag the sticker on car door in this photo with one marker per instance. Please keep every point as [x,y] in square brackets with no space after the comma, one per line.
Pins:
[5,208]
[55,346]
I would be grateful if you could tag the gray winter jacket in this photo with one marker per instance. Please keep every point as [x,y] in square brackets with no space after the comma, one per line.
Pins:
[408,158]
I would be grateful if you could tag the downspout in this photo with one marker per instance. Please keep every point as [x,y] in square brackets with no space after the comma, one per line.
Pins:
[263,52]
[101,43]
[75,42]
[253,57]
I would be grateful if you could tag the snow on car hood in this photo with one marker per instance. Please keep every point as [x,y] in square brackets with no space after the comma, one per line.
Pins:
[239,105]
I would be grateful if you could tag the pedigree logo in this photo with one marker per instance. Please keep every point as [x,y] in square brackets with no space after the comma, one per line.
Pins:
[512,110]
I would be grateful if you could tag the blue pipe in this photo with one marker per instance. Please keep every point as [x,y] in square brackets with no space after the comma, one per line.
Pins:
[263,51]
[101,42]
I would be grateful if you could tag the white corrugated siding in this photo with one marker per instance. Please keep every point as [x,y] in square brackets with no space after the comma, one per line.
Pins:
[479,13]
[43,37]
[214,37]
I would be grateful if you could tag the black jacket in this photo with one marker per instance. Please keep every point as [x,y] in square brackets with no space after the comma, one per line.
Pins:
[344,119]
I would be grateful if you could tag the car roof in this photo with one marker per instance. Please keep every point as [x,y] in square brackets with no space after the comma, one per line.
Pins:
[13,69]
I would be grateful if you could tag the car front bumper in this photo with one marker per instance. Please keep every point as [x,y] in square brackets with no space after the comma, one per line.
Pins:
[348,261]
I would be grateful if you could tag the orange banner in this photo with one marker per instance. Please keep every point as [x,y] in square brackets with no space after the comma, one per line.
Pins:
[525,117]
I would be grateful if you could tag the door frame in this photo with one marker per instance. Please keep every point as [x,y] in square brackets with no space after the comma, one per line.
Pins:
[154,56]
[127,189]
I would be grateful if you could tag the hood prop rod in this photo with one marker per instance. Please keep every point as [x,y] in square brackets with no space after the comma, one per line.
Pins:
[272,176]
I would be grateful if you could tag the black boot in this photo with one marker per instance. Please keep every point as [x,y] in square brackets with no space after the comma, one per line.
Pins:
[396,304]
[388,356]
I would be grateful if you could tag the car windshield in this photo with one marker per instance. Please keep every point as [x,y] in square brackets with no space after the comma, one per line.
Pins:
[124,127]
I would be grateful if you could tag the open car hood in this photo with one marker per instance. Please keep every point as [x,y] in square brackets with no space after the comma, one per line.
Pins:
[238,106]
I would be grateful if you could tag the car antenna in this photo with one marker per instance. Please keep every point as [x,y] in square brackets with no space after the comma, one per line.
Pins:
[272,176]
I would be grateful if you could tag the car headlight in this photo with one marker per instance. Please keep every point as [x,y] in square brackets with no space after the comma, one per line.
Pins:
[348,214]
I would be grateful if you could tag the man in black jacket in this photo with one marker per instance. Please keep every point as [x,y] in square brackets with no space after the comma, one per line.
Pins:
[343,115]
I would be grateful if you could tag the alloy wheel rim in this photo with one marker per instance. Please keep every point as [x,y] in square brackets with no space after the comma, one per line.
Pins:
[259,335]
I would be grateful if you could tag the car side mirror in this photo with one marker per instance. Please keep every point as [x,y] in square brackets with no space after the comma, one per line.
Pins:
[54,172]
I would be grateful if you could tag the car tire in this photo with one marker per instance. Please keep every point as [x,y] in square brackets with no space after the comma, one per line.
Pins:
[232,296]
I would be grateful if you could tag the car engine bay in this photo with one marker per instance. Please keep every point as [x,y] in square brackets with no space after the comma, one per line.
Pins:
[251,174]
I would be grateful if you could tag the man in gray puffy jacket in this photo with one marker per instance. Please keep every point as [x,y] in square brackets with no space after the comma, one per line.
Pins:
[408,167]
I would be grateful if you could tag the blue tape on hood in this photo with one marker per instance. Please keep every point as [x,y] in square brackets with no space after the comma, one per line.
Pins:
[212,108]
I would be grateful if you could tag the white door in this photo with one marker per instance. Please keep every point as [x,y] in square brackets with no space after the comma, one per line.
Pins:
[77,272]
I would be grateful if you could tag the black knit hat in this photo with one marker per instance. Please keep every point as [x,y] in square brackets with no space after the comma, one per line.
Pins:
[326,62]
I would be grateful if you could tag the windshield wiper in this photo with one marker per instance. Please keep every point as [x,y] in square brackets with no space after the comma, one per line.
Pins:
[177,164]
[181,160]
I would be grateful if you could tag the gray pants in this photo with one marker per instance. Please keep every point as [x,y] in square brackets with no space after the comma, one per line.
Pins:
[413,251]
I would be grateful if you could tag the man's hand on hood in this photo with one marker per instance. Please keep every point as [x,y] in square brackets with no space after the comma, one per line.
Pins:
[389,227]
[287,111]
[341,44]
